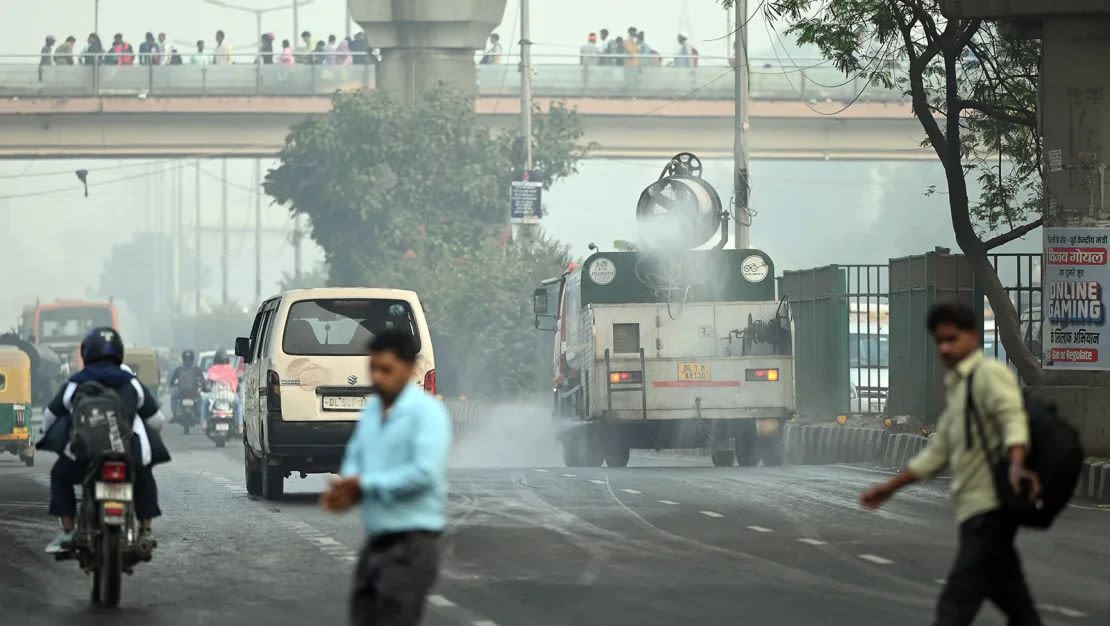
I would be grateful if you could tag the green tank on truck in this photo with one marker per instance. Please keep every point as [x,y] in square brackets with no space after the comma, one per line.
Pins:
[669,350]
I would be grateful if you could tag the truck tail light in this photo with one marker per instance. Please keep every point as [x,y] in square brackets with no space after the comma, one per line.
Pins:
[761,375]
[617,378]
[113,472]
[273,392]
[430,382]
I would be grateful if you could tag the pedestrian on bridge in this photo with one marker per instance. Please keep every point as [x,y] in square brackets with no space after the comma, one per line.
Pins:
[47,52]
[987,565]
[222,54]
[94,50]
[395,468]
[200,57]
[589,53]
[63,54]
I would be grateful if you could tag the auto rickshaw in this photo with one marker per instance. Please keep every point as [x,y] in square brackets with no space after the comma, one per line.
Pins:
[16,431]
[144,362]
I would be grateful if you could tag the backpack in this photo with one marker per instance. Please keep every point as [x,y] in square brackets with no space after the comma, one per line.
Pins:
[99,422]
[1055,455]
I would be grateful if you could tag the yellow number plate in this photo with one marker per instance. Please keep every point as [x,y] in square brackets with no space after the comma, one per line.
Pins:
[694,372]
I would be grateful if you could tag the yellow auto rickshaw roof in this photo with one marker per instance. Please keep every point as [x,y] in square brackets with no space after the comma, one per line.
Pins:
[11,356]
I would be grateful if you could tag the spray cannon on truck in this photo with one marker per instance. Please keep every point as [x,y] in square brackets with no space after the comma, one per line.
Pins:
[680,343]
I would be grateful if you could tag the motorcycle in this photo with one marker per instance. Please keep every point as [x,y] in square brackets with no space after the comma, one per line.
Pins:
[106,538]
[222,425]
[188,410]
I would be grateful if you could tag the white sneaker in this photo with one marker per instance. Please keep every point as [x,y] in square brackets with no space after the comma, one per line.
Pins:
[61,543]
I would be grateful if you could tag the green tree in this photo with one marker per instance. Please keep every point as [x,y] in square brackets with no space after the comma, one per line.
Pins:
[416,195]
[974,91]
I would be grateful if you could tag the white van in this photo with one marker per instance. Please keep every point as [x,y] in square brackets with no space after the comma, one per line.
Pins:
[307,376]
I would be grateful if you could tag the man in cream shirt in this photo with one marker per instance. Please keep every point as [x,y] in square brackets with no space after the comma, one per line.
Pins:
[987,566]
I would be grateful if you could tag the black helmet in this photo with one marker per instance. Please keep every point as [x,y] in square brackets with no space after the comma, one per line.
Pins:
[102,344]
[220,358]
[188,357]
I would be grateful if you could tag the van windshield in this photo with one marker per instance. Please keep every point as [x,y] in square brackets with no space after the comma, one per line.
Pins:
[343,327]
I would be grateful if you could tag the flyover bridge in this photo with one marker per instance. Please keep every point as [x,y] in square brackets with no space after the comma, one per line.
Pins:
[245,109]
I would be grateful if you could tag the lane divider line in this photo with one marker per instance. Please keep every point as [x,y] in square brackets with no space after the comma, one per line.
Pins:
[876,559]
[1063,610]
[484,622]
[712,514]
[632,491]
[567,475]
[760,529]
[542,470]
[667,502]
[812,542]
[597,482]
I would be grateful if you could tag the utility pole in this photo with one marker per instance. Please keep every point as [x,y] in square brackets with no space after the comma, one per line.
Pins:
[224,235]
[296,23]
[347,17]
[297,236]
[742,183]
[526,84]
[178,234]
[196,240]
[258,230]
[96,17]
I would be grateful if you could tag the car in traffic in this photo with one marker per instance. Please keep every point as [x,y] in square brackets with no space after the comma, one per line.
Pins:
[307,378]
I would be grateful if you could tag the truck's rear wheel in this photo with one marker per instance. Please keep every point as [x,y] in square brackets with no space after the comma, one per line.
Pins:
[771,450]
[723,458]
[582,451]
[746,439]
[617,453]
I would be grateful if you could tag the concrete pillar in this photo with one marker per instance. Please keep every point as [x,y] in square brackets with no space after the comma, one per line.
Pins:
[426,42]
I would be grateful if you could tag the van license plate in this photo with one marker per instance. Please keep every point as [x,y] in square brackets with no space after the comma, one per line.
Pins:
[113,491]
[344,403]
[693,372]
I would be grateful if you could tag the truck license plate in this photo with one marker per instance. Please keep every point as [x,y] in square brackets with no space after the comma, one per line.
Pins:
[692,372]
[113,491]
[344,403]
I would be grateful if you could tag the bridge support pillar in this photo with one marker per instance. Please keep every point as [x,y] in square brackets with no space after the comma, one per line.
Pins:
[426,42]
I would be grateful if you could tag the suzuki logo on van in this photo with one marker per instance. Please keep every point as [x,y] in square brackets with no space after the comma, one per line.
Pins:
[352,379]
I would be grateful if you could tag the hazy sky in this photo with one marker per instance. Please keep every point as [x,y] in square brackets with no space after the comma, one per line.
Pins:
[53,240]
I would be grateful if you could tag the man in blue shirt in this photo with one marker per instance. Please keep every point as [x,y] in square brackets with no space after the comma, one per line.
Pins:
[395,468]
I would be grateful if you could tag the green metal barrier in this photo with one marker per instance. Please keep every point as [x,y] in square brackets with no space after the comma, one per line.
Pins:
[819,306]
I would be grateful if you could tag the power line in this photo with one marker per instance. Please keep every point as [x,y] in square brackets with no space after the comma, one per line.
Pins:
[46,192]
[736,30]
[687,95]
[118,166]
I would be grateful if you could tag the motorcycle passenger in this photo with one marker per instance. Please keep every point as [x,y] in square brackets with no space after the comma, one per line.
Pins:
[222,373]
[186,381]
[102,353]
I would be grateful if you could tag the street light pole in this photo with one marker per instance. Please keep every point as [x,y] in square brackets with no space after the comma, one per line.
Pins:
[742,182]
[526,84]
[96,17]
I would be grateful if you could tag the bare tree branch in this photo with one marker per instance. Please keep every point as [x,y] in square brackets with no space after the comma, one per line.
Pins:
[998,113]
[1017,233]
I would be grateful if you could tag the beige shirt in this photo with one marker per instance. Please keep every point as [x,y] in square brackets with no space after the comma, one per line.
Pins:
[1001,410]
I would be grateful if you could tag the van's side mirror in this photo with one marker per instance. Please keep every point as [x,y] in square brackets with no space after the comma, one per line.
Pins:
[243,348]
[539,301]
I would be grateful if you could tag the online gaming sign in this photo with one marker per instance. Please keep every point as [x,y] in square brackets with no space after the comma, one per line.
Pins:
[1074,309]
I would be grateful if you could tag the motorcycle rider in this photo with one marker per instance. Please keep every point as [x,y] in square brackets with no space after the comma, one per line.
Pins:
[222,373]
[186,380]
[102,353]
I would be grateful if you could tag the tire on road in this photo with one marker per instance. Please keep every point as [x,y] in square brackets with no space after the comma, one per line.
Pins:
[107,579]
[746,441]
[617,453]
[253,469]
[273,480]
[723,458]
[772,449]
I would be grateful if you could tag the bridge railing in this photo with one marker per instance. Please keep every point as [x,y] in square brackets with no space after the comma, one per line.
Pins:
[554,76]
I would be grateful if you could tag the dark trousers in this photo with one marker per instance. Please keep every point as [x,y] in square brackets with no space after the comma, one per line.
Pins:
[987,567]
[392,579]
[66,473]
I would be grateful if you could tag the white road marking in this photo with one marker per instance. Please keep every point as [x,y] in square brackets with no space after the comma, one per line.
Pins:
[326,541]
[760,529]
[710,514]
[878,560]
[632,491]
[567,475]
[1101,507]
[542,470]
[484,622]
[1062,610]
[440,601]
[670,502]
[597,482]
[812,542]
[940,581]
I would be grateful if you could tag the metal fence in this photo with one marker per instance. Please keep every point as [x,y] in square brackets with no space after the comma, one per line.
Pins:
[1021,276]
[868,336]
[556,76]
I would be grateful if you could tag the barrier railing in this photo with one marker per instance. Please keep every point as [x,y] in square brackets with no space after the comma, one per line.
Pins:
[322,73]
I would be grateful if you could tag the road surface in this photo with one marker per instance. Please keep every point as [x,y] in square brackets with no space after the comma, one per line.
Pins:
[669,541]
